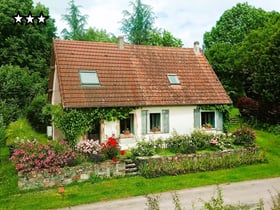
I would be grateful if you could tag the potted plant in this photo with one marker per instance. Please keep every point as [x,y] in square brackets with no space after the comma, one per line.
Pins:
[126,131]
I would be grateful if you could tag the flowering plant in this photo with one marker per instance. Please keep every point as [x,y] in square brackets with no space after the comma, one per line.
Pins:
[35,156]
[91,149]
[111,148]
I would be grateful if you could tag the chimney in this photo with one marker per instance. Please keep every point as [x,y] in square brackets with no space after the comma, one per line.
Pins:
[121,42]
[196,48]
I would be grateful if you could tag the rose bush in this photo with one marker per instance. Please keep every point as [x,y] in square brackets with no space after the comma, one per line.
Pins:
[29,156]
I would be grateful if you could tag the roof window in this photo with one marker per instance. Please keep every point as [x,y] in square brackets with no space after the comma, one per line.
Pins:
[173,79]
[89,78]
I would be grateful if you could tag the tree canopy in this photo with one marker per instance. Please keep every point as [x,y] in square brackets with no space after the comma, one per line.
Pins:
[243,49]
[138,27]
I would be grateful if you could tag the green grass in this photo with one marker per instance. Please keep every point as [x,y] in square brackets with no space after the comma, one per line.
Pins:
[93,191]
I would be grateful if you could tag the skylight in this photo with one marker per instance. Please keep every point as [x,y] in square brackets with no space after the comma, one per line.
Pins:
[89,78]
[173,79]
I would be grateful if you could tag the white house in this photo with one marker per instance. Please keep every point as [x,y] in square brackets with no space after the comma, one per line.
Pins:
[166,84]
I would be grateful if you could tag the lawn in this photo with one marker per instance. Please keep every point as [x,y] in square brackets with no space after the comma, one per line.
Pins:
[100,190]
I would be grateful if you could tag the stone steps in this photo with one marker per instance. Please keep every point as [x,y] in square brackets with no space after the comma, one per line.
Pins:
[130,168]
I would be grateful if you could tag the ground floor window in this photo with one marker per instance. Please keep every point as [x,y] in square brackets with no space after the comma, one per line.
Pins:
[127,125]
[208,119]
[155,122]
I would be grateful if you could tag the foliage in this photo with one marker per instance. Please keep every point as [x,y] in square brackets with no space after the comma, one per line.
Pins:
[74,122]
[138,27]
[137,24]
[159,37]
[16,40]
[180,144]
[99,35]
[224,109]
[30,156]
[18,87]
[35,115]
[247,106]
[143,148]
[235,57]
[75,21]
[2,133]
[275,201]
[245,137]
[111,149]
[152,202]
[91,149]
[202,162]
[21,130]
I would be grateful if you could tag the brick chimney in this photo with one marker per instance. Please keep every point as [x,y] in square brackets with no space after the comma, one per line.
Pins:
[121,42]
[196,48]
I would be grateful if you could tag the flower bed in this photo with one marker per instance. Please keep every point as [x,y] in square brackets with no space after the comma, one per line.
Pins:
[182,164]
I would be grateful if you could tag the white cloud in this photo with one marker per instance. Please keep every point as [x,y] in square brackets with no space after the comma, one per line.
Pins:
[187,20]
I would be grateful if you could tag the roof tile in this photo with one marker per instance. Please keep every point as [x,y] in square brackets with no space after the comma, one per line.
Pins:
[134,76]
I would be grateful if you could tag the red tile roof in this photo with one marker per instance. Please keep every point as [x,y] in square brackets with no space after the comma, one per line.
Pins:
[134,76]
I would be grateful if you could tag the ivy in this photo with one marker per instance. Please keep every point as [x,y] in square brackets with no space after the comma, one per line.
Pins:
[224,109]
[75,122]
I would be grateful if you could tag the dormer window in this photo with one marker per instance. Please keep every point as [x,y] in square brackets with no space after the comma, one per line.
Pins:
[89,78]
[173,79]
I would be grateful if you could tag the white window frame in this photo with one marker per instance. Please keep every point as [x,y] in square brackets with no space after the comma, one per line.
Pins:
[87,76]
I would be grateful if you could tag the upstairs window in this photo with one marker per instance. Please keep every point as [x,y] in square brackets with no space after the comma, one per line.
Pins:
[89,78]
[173,79]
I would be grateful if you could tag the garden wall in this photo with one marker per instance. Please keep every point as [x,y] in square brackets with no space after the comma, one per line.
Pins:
[67,175]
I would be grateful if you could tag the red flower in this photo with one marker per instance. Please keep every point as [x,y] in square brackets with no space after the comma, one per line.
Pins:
[122,152]
[114,159]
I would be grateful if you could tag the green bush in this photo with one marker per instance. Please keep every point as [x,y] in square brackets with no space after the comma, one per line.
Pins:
[143,148]
[2,132]
[157,167]
[35,116]
[244,137]
[200,140]
[180,144]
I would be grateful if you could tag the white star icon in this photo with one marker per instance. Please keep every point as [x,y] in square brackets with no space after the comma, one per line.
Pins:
[18,18]
[29,19]
[42,18]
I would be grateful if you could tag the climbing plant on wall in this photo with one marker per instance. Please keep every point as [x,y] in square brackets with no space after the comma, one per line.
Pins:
[224,109]
[75,122]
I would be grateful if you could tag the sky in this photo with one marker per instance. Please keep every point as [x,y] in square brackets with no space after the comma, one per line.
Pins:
[187,20]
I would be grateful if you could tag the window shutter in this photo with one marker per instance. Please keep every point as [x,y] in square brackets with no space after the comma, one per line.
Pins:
[219,121]
[165,120]
[196,116]
[144,119]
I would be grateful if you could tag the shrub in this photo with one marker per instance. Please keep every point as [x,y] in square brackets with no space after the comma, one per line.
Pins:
[180,144]
[143,148]
[91,149]
[248,107]
[172,166]
[111,148]
[2,133]
[200,139]
[35,156]
[35,116]
[244,137]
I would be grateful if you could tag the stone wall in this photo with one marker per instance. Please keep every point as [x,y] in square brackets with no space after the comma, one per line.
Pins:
[67,175]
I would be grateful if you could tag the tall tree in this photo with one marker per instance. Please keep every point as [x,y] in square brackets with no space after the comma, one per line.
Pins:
[99,35]
[75,21]
[25,51]
[159,37]
[222,42]
[27,46]
[138,24]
